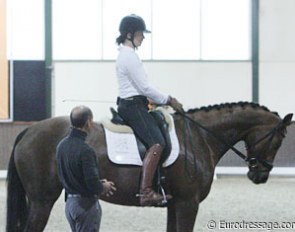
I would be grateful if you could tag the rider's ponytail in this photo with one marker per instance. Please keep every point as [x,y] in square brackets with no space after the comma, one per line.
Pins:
[120,39]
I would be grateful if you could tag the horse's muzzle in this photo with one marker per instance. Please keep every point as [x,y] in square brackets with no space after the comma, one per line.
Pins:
[258,177]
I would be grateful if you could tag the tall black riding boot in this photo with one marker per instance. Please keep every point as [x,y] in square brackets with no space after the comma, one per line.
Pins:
[148,196]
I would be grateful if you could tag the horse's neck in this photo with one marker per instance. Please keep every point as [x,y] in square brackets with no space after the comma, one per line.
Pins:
[229,125]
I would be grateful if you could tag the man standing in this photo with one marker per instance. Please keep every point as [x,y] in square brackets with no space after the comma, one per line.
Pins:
[79,175]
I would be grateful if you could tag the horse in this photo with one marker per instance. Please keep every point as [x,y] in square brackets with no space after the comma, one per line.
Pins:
[204,135]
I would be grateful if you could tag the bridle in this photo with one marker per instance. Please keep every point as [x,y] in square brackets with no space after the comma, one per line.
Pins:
[253,161]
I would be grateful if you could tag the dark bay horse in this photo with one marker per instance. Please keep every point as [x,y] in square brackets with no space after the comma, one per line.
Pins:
[33,185]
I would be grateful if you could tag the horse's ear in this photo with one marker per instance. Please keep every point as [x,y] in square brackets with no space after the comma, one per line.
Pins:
[287,119]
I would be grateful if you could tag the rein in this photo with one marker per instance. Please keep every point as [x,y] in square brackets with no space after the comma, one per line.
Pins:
[252,161]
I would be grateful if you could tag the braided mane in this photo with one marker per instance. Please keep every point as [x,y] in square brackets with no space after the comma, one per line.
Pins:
[229,105]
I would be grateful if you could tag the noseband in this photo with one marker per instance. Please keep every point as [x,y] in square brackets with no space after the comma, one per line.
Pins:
[254,161]
[251,161]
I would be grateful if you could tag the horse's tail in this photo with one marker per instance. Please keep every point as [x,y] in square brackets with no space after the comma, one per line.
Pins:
[17,206]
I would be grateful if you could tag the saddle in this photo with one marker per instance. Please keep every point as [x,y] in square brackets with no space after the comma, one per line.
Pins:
[119,125]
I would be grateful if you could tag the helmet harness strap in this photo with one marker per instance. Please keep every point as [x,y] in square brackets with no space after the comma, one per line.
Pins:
[132,40]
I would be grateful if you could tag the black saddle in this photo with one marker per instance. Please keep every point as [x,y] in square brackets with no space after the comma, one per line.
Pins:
[163,125]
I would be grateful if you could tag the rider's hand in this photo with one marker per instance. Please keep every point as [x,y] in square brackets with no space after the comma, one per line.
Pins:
[176,105]
[108,187]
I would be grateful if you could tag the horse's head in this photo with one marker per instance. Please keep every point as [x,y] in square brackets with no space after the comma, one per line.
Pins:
[262,144]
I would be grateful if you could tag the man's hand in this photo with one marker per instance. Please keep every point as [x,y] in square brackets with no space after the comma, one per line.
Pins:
[108,187]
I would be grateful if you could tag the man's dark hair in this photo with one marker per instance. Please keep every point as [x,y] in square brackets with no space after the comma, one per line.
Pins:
[80,115]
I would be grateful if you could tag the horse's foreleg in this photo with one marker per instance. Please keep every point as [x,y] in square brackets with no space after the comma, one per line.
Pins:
[171,217]
[38,216]
[185,213]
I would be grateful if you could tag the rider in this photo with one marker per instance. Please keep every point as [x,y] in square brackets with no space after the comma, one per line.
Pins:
[134,91]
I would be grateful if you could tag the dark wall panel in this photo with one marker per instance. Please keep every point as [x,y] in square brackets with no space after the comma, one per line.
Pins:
[29,90]
[8,133]
[284,158]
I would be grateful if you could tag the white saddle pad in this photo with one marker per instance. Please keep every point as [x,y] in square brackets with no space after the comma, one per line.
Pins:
[122,147]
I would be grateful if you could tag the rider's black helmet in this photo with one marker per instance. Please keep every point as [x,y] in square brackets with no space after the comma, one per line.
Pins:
[131,24]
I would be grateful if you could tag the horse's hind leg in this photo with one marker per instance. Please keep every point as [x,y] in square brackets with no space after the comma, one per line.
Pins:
[38,216]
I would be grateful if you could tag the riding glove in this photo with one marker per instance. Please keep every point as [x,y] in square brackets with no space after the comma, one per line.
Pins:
[176,105]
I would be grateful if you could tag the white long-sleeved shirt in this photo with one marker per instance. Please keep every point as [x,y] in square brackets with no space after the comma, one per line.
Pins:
[132,77]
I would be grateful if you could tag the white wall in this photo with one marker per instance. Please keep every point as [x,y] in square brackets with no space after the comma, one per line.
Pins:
[194,83]
[88,83]
[197,83]
[277,55]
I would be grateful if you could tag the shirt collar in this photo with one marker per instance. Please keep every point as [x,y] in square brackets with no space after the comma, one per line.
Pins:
[78,133]
[126,48]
